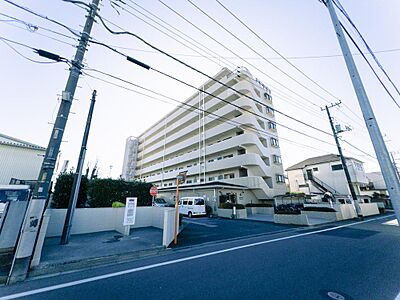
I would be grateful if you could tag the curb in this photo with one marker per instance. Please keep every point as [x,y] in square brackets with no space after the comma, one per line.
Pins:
[76,265]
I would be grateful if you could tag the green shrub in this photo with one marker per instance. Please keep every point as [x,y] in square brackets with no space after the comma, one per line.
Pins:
[317,208]
[117,204]
[287,212]
[103,192]
[208,210]
[259,205]
[228,205]
[62,191]
[100,192]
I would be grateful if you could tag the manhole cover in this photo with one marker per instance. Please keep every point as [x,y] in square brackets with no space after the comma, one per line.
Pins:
[335,296]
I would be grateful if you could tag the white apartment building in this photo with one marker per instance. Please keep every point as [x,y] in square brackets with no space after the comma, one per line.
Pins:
[241,149]
[320,174]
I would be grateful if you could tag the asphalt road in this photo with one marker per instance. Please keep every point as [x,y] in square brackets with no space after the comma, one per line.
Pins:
[205,230]
[353,260]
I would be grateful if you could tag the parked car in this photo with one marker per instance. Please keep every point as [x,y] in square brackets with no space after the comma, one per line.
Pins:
[160,202]
[192,206]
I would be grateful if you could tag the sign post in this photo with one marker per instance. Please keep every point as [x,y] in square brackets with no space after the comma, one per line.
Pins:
[181,178]
[153,193]
[130,213]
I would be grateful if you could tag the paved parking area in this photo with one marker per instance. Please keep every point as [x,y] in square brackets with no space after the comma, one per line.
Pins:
[203,230]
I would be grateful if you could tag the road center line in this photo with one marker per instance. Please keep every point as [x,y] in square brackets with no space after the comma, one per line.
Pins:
[175,261]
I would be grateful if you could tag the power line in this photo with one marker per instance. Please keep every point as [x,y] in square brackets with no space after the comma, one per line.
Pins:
[74,32]
[56,22]
[181,104]
[7,42]
[197,45]
[255,67]
[369,64]
[198,71]
[41,34]
[343,11]
[192,106]
[267,44]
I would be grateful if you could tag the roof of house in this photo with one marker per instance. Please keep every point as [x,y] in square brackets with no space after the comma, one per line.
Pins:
[317,160]
[11,141]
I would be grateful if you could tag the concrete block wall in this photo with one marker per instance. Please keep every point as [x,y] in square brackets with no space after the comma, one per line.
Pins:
[89,220]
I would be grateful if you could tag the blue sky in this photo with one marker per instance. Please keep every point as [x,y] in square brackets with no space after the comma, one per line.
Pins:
[296,28]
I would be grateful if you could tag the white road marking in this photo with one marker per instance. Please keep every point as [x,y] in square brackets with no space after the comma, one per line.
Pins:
[391,222]
[199,223]
[175,261]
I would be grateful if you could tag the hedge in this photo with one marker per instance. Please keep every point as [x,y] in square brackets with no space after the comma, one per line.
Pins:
[100,192]
[318,208]
[259,205]
[228,205]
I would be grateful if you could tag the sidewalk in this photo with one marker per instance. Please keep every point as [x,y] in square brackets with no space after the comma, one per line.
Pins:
[88,250]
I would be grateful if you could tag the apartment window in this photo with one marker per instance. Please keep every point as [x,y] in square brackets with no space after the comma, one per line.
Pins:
[315,169]
[277,159]
[271,125]
[188,166]
[189,181]
[210,160]
[243,172]
[337,167]
[280,179]
[201,179]
[228,156]
[241,151]
[229,176]
[274,142]
[170,184]
[219,158]
[211,178]
[220,177]
[165,184]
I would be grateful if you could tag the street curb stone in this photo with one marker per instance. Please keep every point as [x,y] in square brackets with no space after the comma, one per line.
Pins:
[75,265]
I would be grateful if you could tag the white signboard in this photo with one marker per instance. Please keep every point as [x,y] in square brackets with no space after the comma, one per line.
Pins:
[130,211]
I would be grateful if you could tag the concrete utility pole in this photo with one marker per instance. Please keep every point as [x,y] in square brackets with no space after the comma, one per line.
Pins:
[36,207]
[78,176]
[342,158]
[395,165]
[387,168]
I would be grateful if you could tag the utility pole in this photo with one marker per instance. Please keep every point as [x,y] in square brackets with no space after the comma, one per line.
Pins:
[387,168]
[78,176]
[342,158]
[395,165]
[30,229]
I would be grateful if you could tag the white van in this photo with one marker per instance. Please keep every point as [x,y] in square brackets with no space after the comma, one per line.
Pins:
[192,206]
